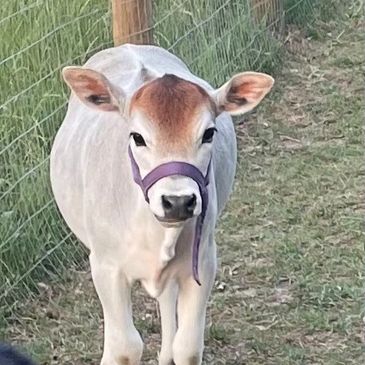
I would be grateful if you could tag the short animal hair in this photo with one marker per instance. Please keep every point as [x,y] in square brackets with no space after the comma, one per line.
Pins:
[10,356]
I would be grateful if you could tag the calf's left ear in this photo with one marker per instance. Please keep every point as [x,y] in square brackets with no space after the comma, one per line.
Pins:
[242,92]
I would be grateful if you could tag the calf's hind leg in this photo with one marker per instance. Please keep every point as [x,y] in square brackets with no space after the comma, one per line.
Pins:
[122,343]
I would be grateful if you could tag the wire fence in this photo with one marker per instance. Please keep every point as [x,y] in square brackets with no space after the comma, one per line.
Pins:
[39,38]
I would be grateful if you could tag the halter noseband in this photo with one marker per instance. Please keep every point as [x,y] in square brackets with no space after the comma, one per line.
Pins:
[183,169]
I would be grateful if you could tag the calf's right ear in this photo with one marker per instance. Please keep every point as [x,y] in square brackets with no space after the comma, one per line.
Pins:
[93,88]
[242,92]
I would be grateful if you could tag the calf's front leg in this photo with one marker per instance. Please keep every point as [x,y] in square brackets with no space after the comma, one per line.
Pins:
[167,303]
[122,342]
[192,302]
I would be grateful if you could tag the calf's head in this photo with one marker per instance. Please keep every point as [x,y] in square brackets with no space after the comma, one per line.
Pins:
[171,119]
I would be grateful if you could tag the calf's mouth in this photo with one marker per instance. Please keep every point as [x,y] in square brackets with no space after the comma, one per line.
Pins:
[170,222]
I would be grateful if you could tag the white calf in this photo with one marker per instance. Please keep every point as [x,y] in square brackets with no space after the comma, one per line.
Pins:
[144,100]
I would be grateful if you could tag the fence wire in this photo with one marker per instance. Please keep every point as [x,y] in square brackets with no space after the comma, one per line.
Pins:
[214,37]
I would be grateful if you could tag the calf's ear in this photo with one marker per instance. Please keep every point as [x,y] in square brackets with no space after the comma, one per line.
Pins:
[93,88]
[242,92]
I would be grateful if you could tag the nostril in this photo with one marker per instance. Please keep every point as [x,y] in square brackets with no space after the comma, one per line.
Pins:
[178,207]
[166,204]
[191,203]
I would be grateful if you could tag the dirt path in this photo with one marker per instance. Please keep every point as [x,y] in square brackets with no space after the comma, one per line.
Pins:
[290,244]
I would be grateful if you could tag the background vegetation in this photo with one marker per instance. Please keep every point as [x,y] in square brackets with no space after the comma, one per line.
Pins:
[290,281]
[214,37]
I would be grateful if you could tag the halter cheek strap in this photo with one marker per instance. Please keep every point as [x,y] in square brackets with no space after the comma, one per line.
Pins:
[183,169]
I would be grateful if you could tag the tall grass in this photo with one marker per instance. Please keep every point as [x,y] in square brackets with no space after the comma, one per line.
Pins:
[39,37]
[217,37]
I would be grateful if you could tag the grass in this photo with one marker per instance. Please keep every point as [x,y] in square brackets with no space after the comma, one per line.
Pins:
[36,42]
[290,284]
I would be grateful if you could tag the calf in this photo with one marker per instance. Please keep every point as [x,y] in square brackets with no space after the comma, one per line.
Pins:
[141,168]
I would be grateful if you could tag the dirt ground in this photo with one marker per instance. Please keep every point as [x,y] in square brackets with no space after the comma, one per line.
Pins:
[289,286]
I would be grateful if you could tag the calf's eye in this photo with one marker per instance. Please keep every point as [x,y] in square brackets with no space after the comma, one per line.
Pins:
[208,135]
[138,139]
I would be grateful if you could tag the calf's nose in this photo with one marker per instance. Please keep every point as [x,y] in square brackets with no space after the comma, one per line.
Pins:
[178,207]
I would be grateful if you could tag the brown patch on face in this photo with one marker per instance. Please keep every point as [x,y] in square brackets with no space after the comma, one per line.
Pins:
[172,104]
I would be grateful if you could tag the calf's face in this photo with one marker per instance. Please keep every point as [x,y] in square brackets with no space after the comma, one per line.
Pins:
[171,119]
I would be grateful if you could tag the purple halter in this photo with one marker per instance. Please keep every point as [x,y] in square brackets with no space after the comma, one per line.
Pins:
[183,169]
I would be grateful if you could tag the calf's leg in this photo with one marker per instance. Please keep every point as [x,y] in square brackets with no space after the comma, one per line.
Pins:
[122,342]
[192,301]
[167,303]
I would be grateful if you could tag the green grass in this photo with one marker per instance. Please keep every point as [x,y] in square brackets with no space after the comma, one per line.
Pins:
[35,44]
[290,284]
[307,12]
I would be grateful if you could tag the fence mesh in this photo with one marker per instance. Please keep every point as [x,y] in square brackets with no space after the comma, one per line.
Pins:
[38,38]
